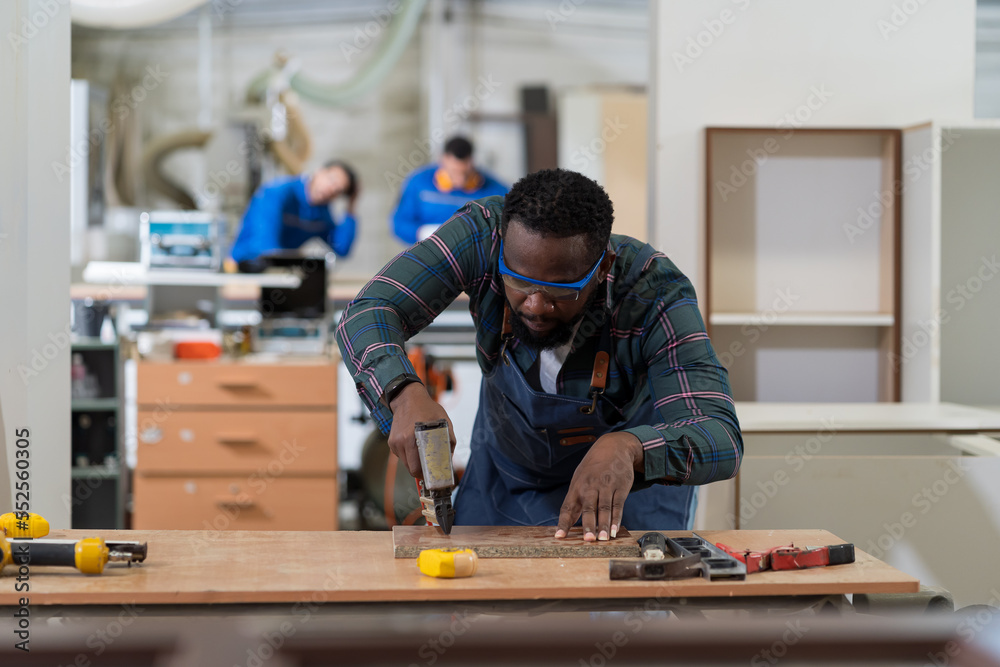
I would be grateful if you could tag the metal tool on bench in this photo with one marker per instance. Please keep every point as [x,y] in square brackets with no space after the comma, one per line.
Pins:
[88,555]
[690,557]
[790,557]
[434,446]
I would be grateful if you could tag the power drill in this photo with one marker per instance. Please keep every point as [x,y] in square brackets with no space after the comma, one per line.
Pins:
[434,446]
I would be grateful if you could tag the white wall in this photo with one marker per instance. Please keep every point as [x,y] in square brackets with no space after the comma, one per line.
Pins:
[562,46]
[857,62]
[34,251]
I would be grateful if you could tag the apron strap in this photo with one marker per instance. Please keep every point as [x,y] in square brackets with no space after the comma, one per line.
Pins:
[598,380]
[506,333]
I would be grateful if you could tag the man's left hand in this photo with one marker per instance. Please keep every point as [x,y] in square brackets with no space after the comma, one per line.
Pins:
[600,485]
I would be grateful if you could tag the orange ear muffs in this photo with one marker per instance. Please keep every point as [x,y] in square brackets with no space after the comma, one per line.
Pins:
[443,182]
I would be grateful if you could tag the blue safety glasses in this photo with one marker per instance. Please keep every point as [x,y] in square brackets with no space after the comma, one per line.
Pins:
[555,291]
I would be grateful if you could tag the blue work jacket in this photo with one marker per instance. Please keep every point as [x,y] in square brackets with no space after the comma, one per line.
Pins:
[280,217]
[422,202]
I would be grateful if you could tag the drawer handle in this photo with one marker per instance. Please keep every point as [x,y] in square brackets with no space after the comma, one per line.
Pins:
[237,383]
[236,439]
[234,502]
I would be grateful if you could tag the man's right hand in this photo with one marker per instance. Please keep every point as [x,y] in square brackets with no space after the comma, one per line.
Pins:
[352,199]
[413,404]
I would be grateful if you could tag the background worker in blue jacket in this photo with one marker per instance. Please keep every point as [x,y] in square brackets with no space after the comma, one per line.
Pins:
[432,194]
[287,212]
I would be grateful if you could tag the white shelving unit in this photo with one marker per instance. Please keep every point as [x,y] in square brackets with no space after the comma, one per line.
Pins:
[951,244]
[803,261]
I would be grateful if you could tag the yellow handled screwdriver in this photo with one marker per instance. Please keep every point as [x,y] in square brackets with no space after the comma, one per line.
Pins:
[88,555]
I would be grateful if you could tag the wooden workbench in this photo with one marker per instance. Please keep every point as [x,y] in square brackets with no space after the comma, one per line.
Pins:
[204,567]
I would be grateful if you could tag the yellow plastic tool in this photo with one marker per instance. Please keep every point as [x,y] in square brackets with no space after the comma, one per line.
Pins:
[91,555]
[33,526]
[448,563]
[6,557]
[88,555]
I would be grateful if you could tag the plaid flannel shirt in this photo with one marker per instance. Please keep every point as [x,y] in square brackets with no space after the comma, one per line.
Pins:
[660,349]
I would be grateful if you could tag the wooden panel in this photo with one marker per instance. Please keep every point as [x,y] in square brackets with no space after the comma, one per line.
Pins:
[235,384]
[891,298]
[889,204]
[921,268]
[888,370]
[198,567]
[970,294]
[257,502]
[626,160]
[510,542]
[190,442]
[730,226]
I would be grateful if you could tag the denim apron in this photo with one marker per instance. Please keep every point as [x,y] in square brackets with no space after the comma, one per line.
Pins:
[526,445]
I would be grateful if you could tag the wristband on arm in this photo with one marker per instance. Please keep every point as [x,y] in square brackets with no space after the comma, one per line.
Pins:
[395,386]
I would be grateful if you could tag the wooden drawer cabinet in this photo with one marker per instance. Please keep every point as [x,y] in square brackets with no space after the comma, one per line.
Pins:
[218,442]
[236,446]
[236,503]
[237,385]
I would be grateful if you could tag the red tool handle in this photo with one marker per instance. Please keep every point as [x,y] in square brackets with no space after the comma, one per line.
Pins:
[756,561]
[799,559]
[791,557]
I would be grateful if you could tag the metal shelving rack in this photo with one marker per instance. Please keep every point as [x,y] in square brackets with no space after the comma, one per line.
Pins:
[88,481]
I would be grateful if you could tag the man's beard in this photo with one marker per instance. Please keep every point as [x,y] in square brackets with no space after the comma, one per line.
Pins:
[561,334]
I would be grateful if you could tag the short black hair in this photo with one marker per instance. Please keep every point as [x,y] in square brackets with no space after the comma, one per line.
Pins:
[561,203]
[458,146]
[352,179]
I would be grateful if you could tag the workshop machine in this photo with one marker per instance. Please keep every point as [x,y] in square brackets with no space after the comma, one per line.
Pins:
[180,240]
[296,321]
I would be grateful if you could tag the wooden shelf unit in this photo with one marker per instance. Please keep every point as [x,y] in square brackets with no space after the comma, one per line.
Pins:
[803,261]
